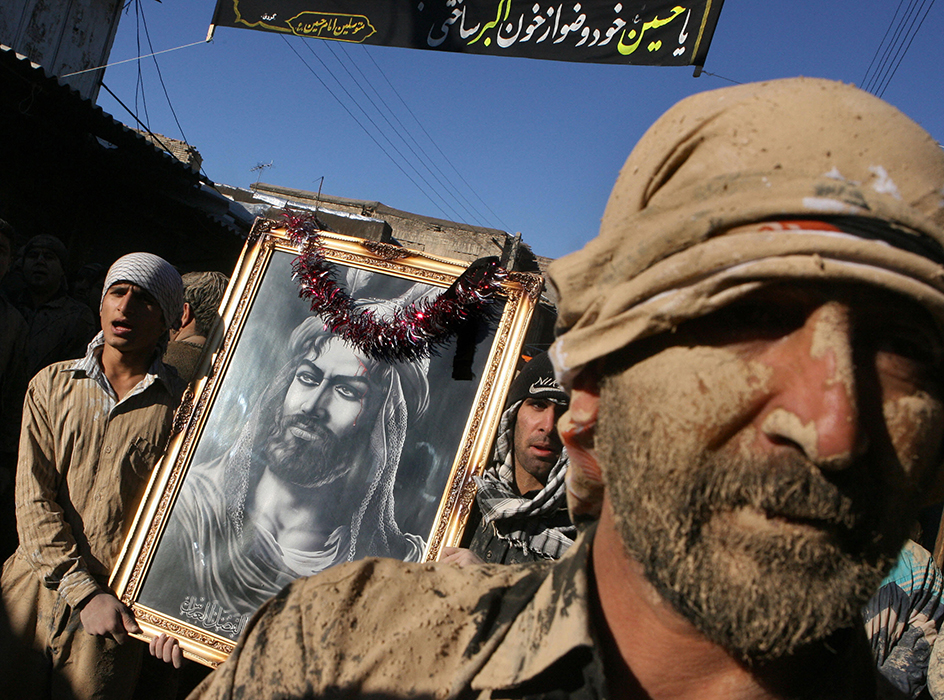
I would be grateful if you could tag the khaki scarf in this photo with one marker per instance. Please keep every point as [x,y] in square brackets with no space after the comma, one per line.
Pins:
[680,238]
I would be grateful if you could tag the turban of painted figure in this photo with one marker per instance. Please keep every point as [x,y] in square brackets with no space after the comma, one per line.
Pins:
[849,187]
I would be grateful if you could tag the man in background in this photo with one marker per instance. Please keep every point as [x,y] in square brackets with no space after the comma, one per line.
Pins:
[59,326]
[13,335]
[203,292]
[521,496]
[87,286]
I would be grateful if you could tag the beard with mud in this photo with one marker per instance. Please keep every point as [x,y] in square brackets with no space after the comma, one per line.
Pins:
[303,452]
[764,556]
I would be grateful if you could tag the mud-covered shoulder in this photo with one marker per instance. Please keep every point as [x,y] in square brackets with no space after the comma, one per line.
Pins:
[377,626]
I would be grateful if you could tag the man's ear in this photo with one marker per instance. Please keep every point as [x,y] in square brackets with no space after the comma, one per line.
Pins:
[187,315]
[577,428]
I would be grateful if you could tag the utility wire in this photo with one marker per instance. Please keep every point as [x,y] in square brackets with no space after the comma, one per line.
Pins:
[450,188]
[139,84]
[891,51]
[887,56]
[911,39]
[879,47]
[358,122]
[160,77]
[715,75]
[474,213]
[135,117]
[208,182]
[471,211]
[432,141]
[142,21]
[455,215]
[129,60]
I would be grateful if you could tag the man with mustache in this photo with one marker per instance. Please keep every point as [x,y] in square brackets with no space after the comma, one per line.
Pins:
[326,436]
[753,348]
[521,496]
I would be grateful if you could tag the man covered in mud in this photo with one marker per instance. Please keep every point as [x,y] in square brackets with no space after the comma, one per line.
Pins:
[308,484]
[753,346]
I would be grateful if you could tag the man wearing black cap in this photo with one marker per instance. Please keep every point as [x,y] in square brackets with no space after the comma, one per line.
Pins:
[522,494]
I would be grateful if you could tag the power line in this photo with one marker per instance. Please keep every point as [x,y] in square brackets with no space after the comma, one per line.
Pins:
[432,141]
[468,206]
[135,117]
[891,51]
[440,187]
[399,132]
[455,215]
[160,77]
[715,75]
[911,39]
[881,70]
[380,132]
[358,122]
[129,60]
[139,84]
[879,47]
[141,20]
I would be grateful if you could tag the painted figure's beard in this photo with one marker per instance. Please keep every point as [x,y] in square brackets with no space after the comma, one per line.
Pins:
[764,556]
[303,452]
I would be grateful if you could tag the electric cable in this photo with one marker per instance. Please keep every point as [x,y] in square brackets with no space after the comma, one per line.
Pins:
[715,75]
[160,78]
[129,60]
[453,213]
[902,55]
[502,224]
[399,132]
[891,51]
[887,56]
[139,83]
[879,47]
[358,122]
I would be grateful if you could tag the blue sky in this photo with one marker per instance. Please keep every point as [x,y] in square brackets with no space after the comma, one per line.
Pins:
[518,144]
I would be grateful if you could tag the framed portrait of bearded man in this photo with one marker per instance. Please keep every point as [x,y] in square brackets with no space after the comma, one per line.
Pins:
[304,447]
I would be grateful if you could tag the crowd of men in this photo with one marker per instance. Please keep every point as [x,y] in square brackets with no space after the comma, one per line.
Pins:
[744,415]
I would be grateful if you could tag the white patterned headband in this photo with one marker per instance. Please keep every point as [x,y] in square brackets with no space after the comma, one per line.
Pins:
[156,276]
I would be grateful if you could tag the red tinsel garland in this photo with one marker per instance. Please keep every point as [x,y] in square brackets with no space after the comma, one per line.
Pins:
[416,329]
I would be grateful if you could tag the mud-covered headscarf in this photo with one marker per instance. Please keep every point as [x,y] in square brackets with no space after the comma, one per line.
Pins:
[733,189]
[672,244]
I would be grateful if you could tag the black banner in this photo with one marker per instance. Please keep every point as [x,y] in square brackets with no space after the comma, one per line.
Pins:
[632,31]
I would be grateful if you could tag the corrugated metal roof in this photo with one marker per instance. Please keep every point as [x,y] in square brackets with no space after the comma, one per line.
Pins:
[62,109]
[84,115]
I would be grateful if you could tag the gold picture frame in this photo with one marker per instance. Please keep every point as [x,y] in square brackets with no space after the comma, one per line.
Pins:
[201,551]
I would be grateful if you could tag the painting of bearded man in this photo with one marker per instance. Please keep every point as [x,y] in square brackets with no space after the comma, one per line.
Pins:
[308,483]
